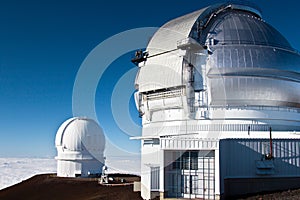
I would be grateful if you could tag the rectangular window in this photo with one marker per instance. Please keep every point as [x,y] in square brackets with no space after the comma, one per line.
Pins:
[186,161]
[190,160]
[194,160]
[154,178]
[153,141]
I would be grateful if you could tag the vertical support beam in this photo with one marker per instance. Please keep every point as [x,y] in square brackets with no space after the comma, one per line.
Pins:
[217,173]
[271,144]
[145,182]
[145,173]
[162,174]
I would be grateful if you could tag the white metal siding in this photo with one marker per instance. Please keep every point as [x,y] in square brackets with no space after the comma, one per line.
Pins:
[238,157]
[188,143]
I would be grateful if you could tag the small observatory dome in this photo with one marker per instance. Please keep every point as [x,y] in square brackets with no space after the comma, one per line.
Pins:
[80,144]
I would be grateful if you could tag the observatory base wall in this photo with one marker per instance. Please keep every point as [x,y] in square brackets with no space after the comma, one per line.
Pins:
[258,165]
[242,186]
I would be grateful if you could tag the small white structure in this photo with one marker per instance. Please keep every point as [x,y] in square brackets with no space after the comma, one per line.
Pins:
[80,144]
[104,177]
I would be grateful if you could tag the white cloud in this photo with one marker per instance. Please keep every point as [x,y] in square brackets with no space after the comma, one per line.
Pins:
[15,170]
[125,165]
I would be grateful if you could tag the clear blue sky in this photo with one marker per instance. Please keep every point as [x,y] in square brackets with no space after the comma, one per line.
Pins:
[42,46]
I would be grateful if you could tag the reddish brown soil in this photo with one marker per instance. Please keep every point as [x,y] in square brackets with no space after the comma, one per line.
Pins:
[286,195]
[43,187]
[47,186]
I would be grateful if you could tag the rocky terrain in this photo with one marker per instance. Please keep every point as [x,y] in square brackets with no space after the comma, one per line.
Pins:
[49,186]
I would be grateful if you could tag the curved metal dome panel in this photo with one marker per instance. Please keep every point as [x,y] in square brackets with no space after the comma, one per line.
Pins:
[240,27]
[251,63]
[61,130]
[163,68]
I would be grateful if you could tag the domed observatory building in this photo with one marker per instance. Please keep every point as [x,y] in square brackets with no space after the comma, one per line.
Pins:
[218,91]
[80,144]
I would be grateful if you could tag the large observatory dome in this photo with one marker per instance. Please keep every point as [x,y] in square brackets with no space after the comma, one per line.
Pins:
[249,61]
[80,143]
[219,58]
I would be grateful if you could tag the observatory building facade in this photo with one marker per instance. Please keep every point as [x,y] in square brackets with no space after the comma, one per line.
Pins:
[80,144]
[218,91]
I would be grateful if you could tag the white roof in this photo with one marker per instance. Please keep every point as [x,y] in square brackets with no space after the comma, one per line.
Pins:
[80,134]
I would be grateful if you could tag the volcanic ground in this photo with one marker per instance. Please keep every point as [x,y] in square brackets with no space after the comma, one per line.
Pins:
[49,186]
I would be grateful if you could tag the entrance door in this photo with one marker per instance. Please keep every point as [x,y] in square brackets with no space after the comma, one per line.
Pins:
[206,175]
[190,186]
[191,175]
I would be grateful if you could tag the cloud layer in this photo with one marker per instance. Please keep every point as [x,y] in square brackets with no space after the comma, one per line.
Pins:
[15,170]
